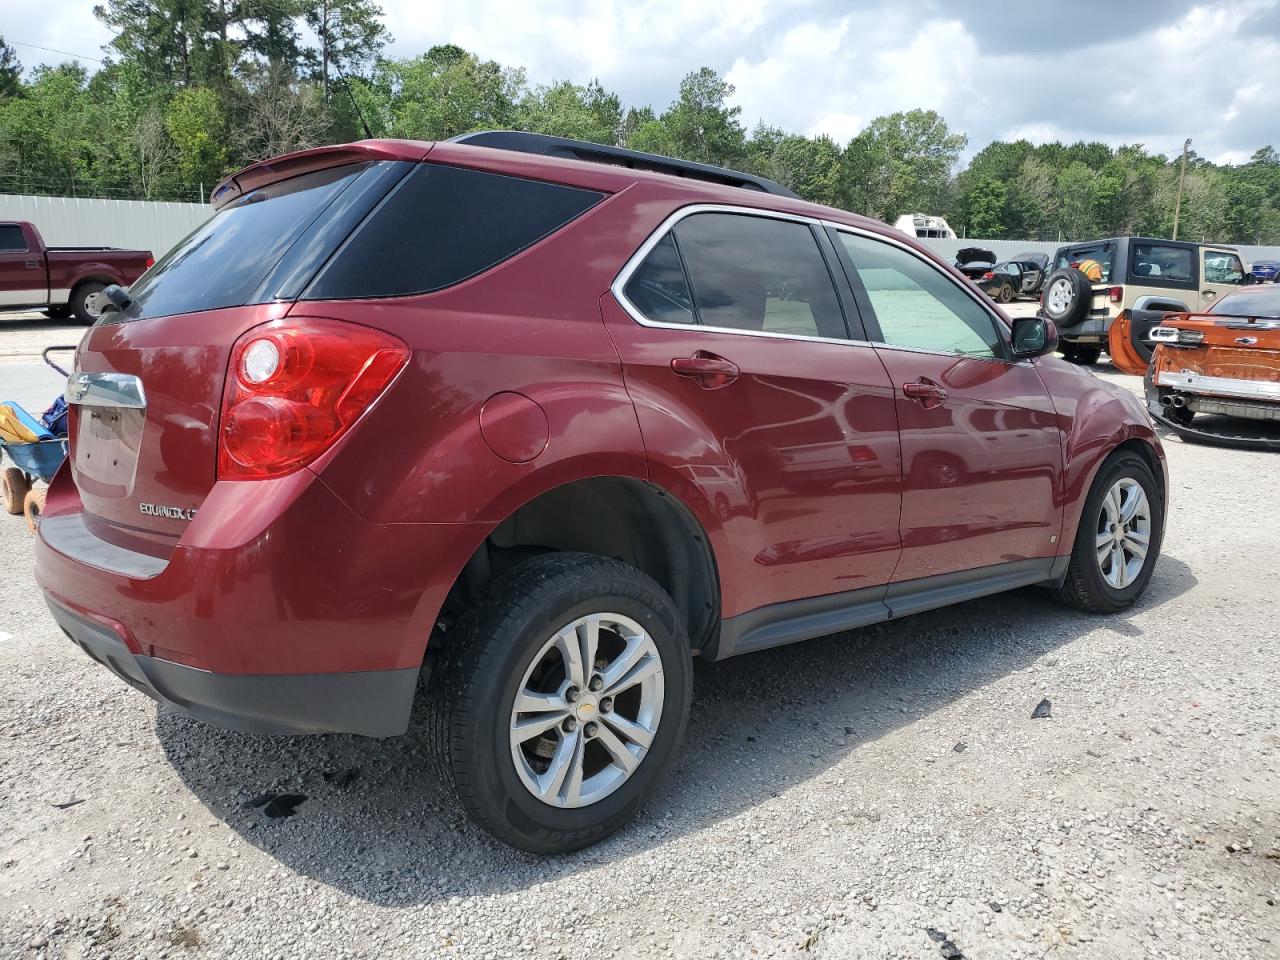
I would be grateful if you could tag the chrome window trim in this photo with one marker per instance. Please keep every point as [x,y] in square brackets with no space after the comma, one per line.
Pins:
[106,390]
[1001,326]
[618,287]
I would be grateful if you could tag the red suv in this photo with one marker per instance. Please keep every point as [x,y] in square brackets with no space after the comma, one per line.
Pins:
[536,422]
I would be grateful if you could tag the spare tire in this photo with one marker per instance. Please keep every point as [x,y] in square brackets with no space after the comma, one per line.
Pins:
[1068,297]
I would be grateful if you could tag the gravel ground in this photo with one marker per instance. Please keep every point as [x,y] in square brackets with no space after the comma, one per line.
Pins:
[877,794]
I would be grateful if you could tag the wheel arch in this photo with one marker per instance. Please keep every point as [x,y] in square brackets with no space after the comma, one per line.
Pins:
[625,518]
[91,273]
[1143,443]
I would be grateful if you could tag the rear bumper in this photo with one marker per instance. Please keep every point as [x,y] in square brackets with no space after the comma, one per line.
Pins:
[279,610]
[1220,386]
[374,703]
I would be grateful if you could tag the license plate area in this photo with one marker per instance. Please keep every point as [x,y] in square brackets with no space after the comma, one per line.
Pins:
[105,449]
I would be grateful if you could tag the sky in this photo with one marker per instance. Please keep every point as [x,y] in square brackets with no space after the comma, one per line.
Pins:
[1121,71]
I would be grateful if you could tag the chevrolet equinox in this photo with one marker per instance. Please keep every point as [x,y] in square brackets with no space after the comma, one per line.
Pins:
[513,427]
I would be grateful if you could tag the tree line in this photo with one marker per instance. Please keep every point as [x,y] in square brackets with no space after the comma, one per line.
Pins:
[191,90]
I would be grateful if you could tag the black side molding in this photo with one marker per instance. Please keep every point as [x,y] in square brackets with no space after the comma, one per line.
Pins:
[541,143]
[782,623]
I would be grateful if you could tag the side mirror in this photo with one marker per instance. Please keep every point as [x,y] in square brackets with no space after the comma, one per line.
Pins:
[1034,337]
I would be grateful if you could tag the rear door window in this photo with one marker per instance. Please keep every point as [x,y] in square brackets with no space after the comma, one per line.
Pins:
[224,262]
[759,274]
[1162,262]
[443,225]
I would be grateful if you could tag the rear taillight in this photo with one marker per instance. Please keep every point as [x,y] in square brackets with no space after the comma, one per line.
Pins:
[294,387]
[151,262]
[1115,294]
[989,275]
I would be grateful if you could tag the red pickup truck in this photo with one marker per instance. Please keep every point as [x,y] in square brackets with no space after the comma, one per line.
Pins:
[60,280]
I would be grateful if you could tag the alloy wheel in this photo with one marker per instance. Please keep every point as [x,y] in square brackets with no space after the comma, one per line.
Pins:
[1123,533]
[1059,296]
[587,710]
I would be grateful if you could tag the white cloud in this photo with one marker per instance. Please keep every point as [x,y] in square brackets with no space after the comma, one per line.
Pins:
[1109,71]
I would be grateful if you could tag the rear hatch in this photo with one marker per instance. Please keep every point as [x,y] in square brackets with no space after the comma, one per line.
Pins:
[148,385]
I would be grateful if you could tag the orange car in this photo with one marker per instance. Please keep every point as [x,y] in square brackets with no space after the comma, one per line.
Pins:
[1223,362]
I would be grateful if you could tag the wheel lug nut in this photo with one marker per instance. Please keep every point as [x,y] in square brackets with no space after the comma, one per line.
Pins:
[570,724]
[606,704]
[597,683]
[571,694]
[590,729]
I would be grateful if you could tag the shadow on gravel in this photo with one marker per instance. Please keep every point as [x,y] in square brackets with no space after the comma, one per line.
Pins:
[760,724]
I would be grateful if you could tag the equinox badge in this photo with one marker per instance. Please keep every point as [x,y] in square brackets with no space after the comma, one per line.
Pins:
[169,513]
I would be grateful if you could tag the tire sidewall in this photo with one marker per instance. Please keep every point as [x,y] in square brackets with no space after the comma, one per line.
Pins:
[539,826]
[1081,297]
[1132,466]
[78,297]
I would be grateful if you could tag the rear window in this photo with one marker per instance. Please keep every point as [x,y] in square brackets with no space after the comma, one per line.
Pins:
[1250,303]
[225,261]
[11,237]
[1097,253]
[443,225]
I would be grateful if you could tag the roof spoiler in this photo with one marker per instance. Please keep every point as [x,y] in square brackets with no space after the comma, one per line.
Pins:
[540,143]
[264,172]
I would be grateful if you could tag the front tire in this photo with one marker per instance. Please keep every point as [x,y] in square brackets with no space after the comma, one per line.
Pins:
[1082,355]
[1118,540]
[560,701]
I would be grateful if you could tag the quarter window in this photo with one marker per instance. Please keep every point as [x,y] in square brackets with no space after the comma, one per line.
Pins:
[1162,262]
[759,274]
[917,306]
[659,289]
[443,225]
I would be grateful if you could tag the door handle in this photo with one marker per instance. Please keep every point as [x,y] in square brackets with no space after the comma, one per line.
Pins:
[929,394]
[33,264]
[1208,293]
[711,371]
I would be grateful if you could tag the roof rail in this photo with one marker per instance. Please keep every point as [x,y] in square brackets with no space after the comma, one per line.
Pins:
[546,145]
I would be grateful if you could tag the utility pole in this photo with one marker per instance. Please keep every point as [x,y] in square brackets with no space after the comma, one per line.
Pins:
[1182,174]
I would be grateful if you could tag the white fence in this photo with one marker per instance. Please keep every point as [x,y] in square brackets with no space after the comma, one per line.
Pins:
[137,224]
[71,222]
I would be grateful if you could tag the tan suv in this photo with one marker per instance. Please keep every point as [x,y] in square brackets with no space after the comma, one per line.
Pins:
[1093,283]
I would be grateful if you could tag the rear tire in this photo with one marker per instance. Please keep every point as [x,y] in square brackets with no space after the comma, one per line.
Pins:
[1081,355]
[16,486]
[33,506]
[82,302]
[1113,583]
[1006,294]
[508,646]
